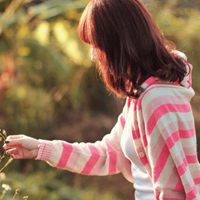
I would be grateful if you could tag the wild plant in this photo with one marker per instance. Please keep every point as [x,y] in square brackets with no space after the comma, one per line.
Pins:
[4,162]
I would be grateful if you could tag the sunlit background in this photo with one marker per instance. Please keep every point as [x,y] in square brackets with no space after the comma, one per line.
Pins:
[50,89]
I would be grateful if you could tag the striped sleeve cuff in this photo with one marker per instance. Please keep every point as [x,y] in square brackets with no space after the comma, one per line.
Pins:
[45,150]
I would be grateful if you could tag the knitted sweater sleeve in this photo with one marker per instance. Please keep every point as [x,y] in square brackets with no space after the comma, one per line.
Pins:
[103,157]
[169,140]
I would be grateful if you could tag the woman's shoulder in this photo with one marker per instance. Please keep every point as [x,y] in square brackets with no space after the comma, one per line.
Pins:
[161,90]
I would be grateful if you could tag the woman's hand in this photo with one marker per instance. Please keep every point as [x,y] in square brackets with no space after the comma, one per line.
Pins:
[21,146]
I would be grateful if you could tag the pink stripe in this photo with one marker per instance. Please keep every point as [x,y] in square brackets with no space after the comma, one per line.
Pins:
[182,130]
[122,121]
[66,152]
[162,110]
[197,180]
[43,150]
[173,180]
[160,164]
[144,160]
[187,133]
[179,186]
[136,134]
[92,161]
[128,102]
[172,139]
[150,80]
[182,168]
[144,140]
[192,159]
[112,159]
[135,106]
[158,146]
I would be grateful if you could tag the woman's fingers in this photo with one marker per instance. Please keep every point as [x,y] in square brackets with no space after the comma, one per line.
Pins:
[12,151]
[21,153]
[11,137]
[15,153]
[12,143]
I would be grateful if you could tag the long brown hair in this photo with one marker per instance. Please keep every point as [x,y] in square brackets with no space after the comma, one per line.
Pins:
[130,45]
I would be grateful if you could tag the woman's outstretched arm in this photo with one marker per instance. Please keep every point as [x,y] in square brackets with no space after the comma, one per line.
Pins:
[103,157]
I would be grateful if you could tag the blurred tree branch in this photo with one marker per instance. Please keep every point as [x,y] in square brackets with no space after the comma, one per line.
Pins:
[9,13]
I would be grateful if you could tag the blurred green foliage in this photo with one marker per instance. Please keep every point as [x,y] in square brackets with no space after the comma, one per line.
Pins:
[37,186]
[50,89]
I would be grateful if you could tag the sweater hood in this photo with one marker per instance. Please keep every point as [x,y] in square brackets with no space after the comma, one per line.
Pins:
[186,82]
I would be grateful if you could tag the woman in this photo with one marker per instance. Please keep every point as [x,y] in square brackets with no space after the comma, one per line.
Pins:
[153,143]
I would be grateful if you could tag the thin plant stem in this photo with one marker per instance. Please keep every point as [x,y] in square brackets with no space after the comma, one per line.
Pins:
[3,137]
[3,156]
[3,134]
[16,193]
[3,194]
[9,161]
[8,14]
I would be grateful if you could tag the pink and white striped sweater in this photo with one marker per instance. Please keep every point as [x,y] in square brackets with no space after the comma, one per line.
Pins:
[164,137]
